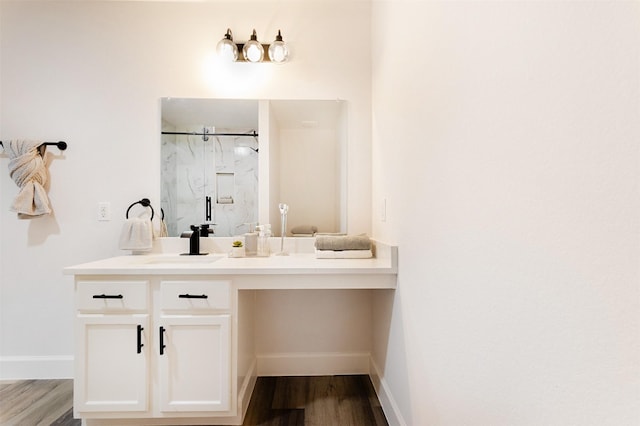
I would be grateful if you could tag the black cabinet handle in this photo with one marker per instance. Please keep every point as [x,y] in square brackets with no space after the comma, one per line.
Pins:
[140,344]
[108,296]
[162,345]
[207,208]
[193,296]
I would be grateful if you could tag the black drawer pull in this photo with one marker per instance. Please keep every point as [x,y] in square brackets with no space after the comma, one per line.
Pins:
[162,345]
[193,296]
[140,344]
[108,296]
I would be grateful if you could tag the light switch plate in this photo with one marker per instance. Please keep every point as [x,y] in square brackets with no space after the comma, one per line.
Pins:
[104,211]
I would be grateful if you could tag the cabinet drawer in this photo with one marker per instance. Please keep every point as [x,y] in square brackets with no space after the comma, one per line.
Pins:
[198,295]
[112,295]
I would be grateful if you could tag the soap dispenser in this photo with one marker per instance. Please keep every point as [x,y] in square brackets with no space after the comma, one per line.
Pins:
[251,241]
[264,232]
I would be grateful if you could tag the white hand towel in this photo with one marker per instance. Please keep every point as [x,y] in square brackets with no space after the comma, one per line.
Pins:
[137,234]
[29,172]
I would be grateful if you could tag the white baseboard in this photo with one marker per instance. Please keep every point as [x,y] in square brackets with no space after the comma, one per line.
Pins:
[36,367]
[388,403]
[246,390]
[313,364]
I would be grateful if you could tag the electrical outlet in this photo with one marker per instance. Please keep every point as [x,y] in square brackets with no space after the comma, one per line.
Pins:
[104,210]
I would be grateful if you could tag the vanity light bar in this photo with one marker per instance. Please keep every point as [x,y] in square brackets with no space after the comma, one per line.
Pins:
[253,50]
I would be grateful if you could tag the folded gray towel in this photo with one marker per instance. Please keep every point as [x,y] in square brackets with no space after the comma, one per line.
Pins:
[304,229]
[343,242]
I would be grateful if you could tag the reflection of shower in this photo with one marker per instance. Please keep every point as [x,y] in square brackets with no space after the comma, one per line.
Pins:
[244,143]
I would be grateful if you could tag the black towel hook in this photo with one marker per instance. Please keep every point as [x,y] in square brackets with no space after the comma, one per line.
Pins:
[144,202]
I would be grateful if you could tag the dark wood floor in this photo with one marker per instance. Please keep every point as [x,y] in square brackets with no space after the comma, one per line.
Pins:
[314,401]
[276,401]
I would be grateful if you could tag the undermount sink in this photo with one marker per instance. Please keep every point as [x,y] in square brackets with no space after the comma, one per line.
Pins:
[181,259]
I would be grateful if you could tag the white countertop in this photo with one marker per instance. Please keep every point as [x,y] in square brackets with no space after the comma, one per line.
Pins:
[297,263]
[385,262]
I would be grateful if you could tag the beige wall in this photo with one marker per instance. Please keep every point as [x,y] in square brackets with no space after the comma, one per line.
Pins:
[505,142]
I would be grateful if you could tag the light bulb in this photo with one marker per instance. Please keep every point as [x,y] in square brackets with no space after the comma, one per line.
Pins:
[278,51]
[253,50]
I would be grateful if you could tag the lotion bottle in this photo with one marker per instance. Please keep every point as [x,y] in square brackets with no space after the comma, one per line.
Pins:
[251,241]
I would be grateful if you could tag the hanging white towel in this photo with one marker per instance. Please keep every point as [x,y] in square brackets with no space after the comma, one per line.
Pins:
[160,229]
[137,234]
[28,170]
[163,232]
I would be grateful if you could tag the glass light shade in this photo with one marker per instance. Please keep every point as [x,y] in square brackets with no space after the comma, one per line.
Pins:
[278,51]
[226,48]
[253,50]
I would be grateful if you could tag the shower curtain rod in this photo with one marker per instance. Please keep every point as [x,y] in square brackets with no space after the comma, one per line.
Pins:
[253,133]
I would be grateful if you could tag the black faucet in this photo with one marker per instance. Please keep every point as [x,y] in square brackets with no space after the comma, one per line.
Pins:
[194,241]
[194,238]
[205,230]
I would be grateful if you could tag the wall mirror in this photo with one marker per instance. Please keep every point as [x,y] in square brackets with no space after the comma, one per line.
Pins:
[230,162]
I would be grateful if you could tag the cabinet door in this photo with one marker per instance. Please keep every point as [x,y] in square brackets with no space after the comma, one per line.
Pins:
[112,363]
[195,372]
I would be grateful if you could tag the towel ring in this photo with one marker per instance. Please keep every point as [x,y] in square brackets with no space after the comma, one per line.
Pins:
[144,202]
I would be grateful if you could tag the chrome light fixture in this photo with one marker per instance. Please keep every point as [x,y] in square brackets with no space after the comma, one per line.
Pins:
[227,48]
[253,50]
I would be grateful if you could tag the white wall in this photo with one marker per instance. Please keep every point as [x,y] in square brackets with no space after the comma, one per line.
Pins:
[506,146]
[311,156]
[92,74]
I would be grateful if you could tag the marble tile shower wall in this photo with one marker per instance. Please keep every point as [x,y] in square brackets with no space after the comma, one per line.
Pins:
[224,168]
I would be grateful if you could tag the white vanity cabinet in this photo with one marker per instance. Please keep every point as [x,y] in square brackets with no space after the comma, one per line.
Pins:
[195,346]
[165,340]
[153,348]
[112,350]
